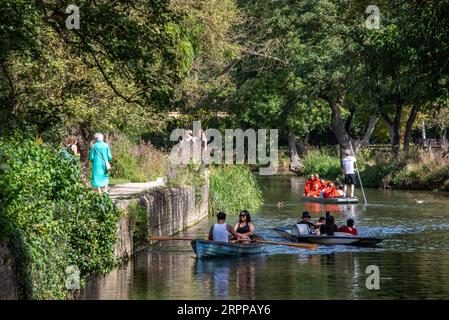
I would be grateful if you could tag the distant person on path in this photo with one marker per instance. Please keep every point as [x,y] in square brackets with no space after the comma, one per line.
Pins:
[72,145]
[245,228]
[349,228]
[70,152]
[349,172]
[220,231]
[100,155]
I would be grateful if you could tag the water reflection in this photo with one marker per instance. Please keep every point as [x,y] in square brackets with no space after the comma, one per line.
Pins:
[413,260]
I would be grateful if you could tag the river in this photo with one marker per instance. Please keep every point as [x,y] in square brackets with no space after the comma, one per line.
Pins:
[413,259]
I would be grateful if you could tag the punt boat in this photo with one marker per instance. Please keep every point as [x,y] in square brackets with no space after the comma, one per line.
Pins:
[338,238]
[212,249]
[330,200]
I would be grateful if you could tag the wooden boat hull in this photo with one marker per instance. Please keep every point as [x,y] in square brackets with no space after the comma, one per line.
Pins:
[330,200]
[339,238]
[215,249]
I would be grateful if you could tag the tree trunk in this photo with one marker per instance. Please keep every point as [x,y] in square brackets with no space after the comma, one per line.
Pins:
[409,127]
[338,127]
[293,152]
[302,145]
[87,135]
[372,122]
[393,126]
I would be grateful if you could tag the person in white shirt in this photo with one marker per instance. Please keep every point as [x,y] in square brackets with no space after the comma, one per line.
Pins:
[349,172]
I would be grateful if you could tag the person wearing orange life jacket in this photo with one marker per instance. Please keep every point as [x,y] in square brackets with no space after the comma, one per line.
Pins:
[315,191]
[317,182]
[330,191]
[308,185]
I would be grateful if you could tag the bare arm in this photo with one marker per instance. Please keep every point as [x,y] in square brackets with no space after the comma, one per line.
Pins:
[211,236]
[231,231]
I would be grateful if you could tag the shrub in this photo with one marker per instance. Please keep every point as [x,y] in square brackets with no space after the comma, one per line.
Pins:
[191,174]
[53,220]
[234,188]
[135,162]
[323,162]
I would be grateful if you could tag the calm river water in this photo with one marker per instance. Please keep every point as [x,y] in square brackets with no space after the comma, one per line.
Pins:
[413,259]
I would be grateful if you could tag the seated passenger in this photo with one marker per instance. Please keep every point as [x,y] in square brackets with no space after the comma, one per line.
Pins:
[305,219]
[309,184]
[329,227]
[321,221]
[245,228]
[304,226]
[315,191]
[330,191]
[220,231]
[349,228]
[318,182]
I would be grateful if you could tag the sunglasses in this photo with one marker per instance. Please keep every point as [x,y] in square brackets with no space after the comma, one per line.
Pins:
[243,215]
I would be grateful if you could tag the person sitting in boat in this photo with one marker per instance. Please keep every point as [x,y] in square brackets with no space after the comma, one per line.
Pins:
[306,220]
[315,191]
[245,228]
[220,231]
[317,182]
[308,185]
[304,226]
[330,191]
[320,222]
[329,227]
[349,228]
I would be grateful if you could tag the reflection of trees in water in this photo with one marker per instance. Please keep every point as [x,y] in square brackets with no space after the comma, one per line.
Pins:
[227,278]
[246,279]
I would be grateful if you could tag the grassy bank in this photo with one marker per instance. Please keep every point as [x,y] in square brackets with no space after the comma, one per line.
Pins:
[135,162]
[57,227]
[234,188]
[419,170]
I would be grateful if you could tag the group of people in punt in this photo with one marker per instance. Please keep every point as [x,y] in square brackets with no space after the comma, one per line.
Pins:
[326,225]
[316,187]
[244,229]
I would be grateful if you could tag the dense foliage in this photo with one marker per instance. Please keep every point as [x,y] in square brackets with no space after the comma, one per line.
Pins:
[234,188]
[54,220]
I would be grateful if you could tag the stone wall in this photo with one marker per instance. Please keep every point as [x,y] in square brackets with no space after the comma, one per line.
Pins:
[169,211]
[8,286]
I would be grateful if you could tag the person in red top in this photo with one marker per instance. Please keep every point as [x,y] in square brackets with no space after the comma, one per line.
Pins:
[349,228]
[309,184]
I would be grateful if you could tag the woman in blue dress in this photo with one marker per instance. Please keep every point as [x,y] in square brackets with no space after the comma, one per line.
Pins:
[100,155]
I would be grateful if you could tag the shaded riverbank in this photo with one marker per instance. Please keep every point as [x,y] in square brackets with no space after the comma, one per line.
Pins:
[416,241]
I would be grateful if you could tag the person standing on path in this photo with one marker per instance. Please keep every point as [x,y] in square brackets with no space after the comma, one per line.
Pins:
[349,172]
[100,155]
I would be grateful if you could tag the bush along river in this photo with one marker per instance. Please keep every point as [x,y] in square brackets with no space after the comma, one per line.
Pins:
[413,259]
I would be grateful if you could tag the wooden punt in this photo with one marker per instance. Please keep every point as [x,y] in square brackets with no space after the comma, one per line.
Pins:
[215,249]
[339,238]
[330,200]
